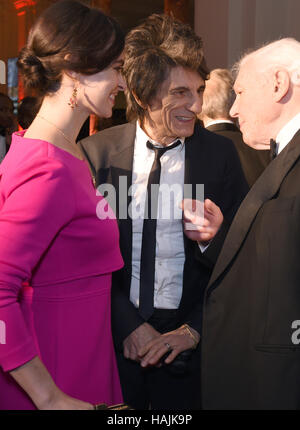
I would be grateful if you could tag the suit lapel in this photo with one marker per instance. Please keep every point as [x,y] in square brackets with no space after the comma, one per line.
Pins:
[187,162]
[193,161]
[121,179]
[263,190]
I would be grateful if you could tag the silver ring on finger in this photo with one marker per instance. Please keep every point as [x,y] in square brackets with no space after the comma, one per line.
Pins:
[168,346]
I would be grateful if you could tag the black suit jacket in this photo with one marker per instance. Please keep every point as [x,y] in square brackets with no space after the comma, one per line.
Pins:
[249,360]
[210,160]
[253,161]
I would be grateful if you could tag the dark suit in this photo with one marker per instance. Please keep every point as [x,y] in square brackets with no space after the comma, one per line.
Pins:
[248,358]
[253,161]
[210,160]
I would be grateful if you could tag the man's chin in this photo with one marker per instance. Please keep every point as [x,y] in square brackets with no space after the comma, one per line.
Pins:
[254,143]
[186,131]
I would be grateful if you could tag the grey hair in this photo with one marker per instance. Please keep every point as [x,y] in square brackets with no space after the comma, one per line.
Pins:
[283,53]
[217,101]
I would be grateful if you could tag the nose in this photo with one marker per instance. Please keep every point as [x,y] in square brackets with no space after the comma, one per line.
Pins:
[234,109]
[196,105]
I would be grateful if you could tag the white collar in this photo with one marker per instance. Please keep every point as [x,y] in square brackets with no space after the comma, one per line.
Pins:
[143,137]
[287,133]
[219,121]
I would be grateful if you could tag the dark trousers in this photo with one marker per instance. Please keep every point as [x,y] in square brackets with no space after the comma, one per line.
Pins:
[158,388]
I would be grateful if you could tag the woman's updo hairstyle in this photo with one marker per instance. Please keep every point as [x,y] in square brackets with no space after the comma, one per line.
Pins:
[68,36]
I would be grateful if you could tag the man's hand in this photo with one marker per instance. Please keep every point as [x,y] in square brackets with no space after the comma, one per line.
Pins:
[175,341]
[202,228]
[137,340]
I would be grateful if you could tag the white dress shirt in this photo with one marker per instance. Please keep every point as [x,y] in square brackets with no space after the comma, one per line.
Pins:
[287,133]
[170,255]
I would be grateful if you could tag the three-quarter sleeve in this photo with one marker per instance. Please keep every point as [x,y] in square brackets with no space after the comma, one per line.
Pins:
[36,202]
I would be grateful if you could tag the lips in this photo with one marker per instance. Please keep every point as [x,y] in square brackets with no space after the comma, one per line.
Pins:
[185,118]
[113,96]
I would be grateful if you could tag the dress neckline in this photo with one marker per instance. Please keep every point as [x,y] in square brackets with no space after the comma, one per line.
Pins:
[20,134]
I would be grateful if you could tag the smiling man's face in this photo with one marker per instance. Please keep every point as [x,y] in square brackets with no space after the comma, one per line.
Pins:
[172,113]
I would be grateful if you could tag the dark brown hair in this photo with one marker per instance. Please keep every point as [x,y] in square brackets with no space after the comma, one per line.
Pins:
[151,50]
[68,36]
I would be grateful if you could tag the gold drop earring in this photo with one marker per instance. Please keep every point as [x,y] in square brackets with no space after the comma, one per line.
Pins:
[73,98]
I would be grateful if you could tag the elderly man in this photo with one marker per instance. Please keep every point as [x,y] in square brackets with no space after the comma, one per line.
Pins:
[217,101]
[251,318]
[157,297]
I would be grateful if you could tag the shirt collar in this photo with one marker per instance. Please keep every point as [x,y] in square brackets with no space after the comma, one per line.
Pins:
[142,137]
[219,121]
[287,133]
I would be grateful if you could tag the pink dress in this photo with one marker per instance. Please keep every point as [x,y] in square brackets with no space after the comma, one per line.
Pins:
[56,260]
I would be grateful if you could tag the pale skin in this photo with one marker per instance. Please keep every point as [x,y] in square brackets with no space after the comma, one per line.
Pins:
[96,94]
[204,229]
[171,114]
[280,101]
[35,379]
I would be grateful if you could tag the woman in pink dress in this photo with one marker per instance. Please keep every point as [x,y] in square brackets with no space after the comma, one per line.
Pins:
[58,237]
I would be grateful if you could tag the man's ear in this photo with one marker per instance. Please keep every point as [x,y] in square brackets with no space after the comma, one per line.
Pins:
[281,84]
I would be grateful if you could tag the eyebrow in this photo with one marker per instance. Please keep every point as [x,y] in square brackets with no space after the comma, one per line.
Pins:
[186,88]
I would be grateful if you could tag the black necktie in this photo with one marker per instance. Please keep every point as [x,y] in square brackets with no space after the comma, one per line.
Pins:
[273,149]
[147,272]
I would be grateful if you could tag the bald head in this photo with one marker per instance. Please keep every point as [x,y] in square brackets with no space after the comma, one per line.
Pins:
[283,53]
[267,91]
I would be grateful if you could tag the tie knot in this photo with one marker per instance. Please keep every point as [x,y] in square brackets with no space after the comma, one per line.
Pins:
[273,149]
[159,151]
